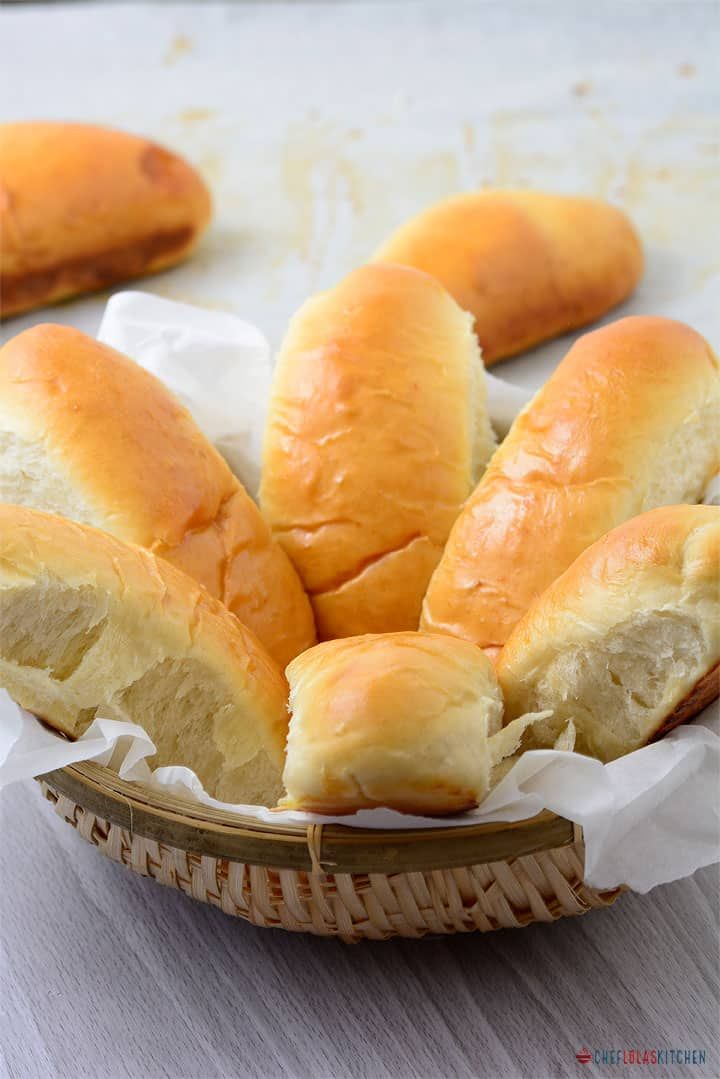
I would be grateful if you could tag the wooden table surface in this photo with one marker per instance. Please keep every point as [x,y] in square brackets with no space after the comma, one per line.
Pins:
[105,974]
[320,127]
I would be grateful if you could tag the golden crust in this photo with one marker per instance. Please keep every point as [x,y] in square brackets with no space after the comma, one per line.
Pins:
[144,472]
[371,444]
[396,719]
[82,207]
[527,265]
[586,454]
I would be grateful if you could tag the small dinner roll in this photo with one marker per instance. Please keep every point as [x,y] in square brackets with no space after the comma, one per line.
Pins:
[377,427]
[626,642]
[398,719]
[627,422]
[92,626]
[82,207]
[528,266]
[88,434]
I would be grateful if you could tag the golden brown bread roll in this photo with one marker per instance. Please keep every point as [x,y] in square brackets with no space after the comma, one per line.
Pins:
[527,265]
[627,422]
[377,426]
[626,642]
[90,625]
[399,719]
[88,434]
[82,207]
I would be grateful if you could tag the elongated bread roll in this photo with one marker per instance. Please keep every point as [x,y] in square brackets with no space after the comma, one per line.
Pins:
[82,207]
[627,422]
[626,642]
[377,426]
[88,434]
[399,719]
[528,266]
[90,625]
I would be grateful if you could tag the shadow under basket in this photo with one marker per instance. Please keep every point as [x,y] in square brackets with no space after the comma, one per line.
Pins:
[330,880]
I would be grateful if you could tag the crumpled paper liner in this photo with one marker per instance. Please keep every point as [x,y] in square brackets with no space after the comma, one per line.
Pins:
[648,818]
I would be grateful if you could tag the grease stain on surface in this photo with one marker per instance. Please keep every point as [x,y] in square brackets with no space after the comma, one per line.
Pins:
[686,70]
[180,46]
[337,203]
[439,170]
[180,295]
[512,165]
[196,115]
[661,181]
[319,180]
[582,88]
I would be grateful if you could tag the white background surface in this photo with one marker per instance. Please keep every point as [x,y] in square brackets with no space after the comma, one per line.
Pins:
[320,127]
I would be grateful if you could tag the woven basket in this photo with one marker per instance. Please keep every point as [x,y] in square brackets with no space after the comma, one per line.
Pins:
[329,880]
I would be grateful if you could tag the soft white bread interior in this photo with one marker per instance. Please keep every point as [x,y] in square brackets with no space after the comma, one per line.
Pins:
[90,625]
[88,434]
[377,430]
[626,642]
[627,422]
[399,719]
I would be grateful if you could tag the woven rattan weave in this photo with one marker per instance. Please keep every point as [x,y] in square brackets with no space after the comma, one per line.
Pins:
[330,880]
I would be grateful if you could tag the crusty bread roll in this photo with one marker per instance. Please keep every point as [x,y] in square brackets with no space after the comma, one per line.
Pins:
[90,625]
[528,266]
[377,426]
[82,207]
[88,434]
[400,720]
[626,642]
[627,422]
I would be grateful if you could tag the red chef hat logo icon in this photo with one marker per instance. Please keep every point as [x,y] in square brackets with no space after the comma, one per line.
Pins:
[584,1056]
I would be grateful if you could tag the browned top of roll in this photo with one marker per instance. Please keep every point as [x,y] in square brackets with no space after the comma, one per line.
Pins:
[83,206]
[376,430]
[527,265]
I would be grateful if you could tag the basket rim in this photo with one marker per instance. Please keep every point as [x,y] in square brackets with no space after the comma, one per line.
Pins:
[331,848]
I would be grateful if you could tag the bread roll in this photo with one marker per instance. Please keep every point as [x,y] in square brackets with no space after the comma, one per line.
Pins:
[88,434]
[399,720]
[82,207]
[90,625]
[626,642]
[377,426]
[528,266]
[627,422]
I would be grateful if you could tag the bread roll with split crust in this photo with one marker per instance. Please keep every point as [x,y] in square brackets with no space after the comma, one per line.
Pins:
[90,625]
[82,207]
[398,719]
[626,642]
[377,427]
[88,434]
[527,265]
[627,422]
